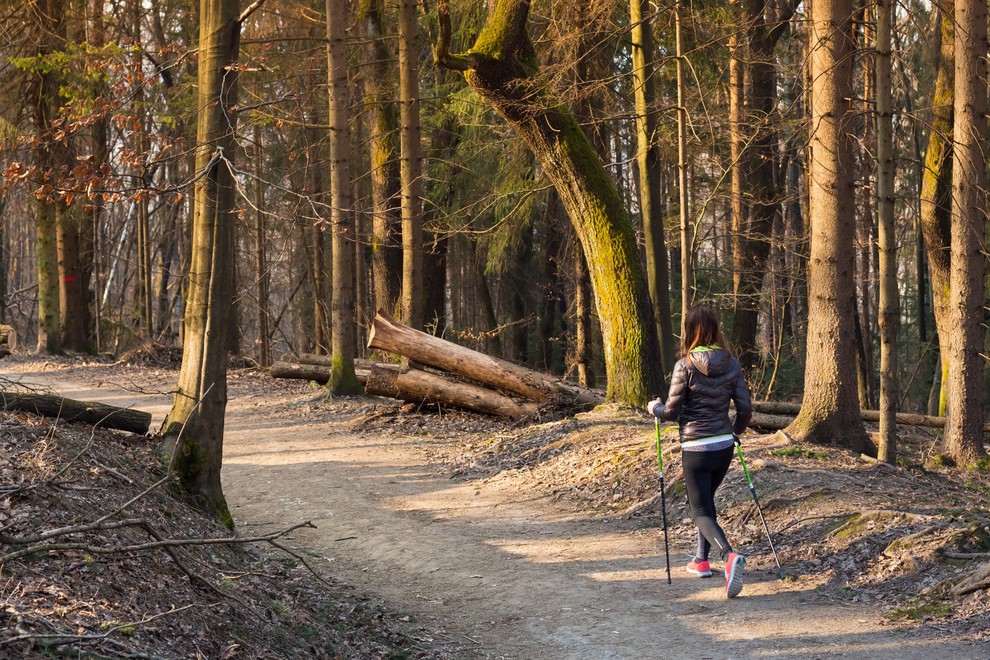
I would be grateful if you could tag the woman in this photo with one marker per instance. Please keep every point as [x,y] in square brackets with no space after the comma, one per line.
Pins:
[704,383]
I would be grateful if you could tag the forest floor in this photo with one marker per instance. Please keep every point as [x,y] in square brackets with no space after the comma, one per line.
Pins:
[447,535]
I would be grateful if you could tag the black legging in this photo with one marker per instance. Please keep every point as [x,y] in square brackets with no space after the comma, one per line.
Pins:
[703,474]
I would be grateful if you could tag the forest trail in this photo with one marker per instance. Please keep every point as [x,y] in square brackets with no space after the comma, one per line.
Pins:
[499,572]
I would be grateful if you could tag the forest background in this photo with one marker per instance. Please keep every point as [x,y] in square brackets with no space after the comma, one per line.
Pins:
[551,183]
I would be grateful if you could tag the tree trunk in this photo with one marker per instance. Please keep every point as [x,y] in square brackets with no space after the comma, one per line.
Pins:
[965,364]
[392,337]
[72,310]
[830,410]
[889,314]
[343,334]
[195,424]
[650,194]
[84,412]
[410,166]
[501,68]
[936,188]
[261,255]
[753,246]
[383,124]
[50,15]
[687,239]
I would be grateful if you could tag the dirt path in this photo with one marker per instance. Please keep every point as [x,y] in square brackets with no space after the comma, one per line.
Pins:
[501,571]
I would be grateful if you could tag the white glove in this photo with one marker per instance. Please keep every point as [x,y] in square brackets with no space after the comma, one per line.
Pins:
[655,407]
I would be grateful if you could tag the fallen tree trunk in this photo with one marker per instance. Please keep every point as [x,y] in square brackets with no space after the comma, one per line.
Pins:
[389,335]
[904,419]
[417,386]
[70,410]
[319,371]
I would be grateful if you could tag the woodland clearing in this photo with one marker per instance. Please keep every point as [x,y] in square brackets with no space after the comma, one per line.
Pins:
[443,534]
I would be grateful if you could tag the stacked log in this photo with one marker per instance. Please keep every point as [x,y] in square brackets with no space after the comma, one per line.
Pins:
[437,371]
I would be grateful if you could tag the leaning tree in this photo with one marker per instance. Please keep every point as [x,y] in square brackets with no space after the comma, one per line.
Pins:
[502,68]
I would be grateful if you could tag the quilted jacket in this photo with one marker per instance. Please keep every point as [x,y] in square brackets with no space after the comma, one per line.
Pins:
[700,393]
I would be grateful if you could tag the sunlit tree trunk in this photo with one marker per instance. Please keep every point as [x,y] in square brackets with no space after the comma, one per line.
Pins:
[687,238]
[410,166]
[936,189]
[261,255]
[343,334]
[194,427]
[964,382]
[830,409]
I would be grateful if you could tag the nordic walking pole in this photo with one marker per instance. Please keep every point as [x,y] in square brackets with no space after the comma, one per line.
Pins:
[663,498]
[752,489]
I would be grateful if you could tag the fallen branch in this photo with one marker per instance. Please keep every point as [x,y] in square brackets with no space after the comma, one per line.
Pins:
[774,412]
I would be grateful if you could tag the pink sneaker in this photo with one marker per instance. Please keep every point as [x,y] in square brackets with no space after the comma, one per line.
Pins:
[734,564]
[700,568]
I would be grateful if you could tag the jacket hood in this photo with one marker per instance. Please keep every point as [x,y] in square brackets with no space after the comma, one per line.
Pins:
[712,362]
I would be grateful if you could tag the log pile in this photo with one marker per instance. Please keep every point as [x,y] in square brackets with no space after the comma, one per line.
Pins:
[437,371]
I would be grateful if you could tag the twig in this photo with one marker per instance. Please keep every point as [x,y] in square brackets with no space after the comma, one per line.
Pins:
[965,555]
[57,640]
[138,547]
[303,560]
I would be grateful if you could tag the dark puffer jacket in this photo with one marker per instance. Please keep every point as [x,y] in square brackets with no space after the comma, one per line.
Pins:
[700,393]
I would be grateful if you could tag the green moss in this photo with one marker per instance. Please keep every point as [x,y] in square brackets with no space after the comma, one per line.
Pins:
[799,451]
[982,464]
[921,610]
[940,461]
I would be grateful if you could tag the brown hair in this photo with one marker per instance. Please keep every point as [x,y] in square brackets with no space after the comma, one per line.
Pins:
[701,328]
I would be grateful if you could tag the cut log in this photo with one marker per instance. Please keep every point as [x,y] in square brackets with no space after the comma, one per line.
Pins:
[904,419]
[320,373]
[417,386]
[7,340]
[391,336]
[70,410]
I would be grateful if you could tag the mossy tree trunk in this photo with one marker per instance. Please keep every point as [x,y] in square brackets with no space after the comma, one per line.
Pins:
[383,141]
[343,334]
[50,17]
[194,426]
[830,409]
[936,189]
[964,384]
[502,67]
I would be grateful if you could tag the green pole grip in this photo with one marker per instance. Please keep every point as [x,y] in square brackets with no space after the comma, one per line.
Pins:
[656,425]
[749,480]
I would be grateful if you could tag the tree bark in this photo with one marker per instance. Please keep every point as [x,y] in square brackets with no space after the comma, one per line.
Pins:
[687,238]
[830,409]
[889,314]
[418,386]
[501,67]
[84,412]
[343,334]
[383,140]
[965,364]
[410,166]
[50,16]
[936,188]
[388,335]
[194,426]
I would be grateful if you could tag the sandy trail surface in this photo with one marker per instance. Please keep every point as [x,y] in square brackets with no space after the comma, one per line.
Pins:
[492,570]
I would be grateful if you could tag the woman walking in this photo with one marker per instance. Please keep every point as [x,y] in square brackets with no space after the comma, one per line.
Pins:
[705,381]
